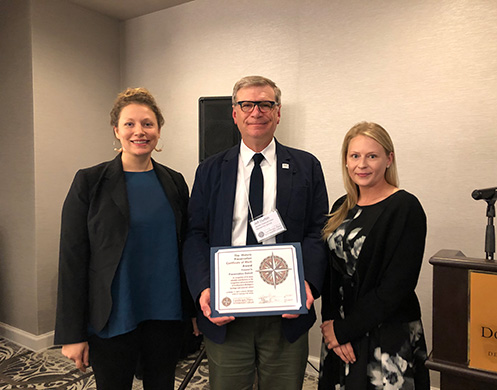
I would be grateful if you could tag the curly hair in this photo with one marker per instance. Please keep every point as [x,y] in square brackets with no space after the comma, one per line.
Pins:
[135,96]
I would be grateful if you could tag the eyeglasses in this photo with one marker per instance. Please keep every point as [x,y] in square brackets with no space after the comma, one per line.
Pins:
[264,105]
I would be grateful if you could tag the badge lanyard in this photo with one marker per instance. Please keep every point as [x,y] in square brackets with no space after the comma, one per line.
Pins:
[264,226]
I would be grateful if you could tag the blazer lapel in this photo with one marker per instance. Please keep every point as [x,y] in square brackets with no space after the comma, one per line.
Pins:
[171,193]
[117,185]
[229,172]
[284,175]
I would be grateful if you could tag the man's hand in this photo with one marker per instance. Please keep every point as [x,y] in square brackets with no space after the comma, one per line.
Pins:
[205,306]
[78,353]
[308,303]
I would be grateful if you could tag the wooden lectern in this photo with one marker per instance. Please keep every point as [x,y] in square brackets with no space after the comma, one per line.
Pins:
[451,297]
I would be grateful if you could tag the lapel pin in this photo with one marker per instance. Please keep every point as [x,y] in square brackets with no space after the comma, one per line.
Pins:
[285,166]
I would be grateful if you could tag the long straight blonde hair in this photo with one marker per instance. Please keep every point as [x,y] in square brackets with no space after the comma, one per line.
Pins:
[380,135]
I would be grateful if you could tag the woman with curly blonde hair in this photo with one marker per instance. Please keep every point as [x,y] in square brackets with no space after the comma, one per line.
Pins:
[122,293]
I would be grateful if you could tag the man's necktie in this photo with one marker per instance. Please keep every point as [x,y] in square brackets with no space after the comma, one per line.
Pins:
[256,195]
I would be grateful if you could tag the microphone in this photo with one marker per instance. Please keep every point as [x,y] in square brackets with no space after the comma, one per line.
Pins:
[485,193]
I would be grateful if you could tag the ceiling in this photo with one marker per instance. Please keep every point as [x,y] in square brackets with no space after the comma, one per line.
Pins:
[127,9]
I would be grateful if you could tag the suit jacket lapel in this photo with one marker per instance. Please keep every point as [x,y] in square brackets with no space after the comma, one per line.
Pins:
[284,175]
[117,185]
[229,172]
[171,193]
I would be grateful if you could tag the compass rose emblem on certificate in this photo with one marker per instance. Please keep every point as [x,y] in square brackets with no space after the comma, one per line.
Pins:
[273,270]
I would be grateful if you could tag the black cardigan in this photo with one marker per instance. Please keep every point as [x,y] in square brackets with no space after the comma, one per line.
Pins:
[94,229]
[387,271]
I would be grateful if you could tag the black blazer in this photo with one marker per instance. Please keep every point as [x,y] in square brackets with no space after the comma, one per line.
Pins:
[301,200]
[94,229]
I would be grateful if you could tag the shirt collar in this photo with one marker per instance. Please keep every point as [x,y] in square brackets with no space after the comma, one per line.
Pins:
[269,153]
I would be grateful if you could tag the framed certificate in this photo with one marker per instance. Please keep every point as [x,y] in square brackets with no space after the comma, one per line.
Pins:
[257,280]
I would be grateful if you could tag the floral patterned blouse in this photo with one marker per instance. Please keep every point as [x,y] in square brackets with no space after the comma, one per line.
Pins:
[386,332]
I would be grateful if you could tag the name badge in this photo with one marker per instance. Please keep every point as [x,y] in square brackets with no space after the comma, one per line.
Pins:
[267,226]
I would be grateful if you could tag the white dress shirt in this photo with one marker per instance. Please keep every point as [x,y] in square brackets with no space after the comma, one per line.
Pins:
[241,206]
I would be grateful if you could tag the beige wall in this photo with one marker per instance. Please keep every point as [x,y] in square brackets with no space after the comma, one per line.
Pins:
[76,70]
[60,70]
[17,216]
[426,70]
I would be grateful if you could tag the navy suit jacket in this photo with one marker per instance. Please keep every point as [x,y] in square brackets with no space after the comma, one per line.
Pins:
[95,224]
[301,200]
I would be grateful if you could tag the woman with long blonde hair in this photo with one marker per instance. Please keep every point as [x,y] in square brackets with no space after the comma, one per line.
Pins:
[372,331]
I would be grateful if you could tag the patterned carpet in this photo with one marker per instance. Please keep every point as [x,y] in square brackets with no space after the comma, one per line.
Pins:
[21,368]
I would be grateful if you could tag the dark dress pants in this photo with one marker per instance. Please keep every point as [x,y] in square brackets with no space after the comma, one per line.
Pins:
[156,343]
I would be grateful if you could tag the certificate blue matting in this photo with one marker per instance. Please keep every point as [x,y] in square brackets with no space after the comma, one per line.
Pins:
[259,273]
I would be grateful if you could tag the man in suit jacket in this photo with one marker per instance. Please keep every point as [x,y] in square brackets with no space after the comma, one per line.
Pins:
[275,346]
